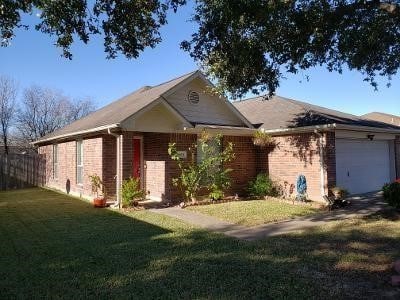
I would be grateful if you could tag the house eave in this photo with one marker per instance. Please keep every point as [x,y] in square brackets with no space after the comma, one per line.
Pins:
[280,131]
[367,129]
[222,129]
[331,127]
[76,133]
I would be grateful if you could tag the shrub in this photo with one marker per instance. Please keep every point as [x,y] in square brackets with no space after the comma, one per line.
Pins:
[219,182]
[208,172]
[262,186]
[339,192]
[262,139]
[391,194]
[131,191]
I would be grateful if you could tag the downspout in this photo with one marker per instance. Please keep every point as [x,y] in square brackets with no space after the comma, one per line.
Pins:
[118,167]
[322,159]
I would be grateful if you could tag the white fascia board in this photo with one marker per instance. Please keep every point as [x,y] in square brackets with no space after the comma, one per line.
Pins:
[367,129]
[61,136]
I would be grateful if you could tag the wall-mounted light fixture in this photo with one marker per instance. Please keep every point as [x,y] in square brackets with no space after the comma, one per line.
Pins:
[370,136]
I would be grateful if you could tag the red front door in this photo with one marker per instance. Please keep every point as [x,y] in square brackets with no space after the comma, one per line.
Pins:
[136,157]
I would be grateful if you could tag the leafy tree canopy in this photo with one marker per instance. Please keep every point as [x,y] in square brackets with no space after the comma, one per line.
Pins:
[246,45]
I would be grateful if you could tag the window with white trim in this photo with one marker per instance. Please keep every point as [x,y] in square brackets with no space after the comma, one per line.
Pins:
[79,162]
[55,161]
[213,144]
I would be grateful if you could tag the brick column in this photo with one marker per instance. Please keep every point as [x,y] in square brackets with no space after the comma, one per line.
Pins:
[330,161]
[397,155]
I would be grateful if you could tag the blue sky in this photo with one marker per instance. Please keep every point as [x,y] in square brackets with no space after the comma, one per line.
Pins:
[32,59]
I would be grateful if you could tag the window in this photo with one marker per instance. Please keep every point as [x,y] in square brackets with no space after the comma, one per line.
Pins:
[79,162]
[55,161]
[214,148]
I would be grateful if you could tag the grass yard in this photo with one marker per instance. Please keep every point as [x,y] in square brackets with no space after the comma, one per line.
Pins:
[255,212]
[54,246]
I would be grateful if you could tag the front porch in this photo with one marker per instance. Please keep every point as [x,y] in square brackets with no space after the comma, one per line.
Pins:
[144,155]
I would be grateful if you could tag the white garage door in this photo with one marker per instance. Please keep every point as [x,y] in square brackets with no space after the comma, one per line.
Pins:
[362,165]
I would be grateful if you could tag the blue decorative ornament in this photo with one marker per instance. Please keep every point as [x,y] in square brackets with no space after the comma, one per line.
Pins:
[301,187]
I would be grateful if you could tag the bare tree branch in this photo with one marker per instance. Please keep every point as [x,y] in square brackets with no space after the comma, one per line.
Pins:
[45,110]
[8,96]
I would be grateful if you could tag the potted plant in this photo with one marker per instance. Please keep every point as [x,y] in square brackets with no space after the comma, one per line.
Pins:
[262,139]
[339,193]
[99,190]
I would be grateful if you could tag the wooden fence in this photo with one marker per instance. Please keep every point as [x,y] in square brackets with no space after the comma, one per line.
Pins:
[19,171]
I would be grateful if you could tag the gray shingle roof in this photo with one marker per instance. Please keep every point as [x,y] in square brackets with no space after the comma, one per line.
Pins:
[279,113]
[383,117]
[119,110]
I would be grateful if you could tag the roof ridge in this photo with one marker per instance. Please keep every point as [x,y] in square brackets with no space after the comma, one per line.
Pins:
[299,103]
[176,78]
[274,96]
[247,99]
[138,90]
[381,113]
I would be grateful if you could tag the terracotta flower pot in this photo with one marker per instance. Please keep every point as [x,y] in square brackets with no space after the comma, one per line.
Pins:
[99,202]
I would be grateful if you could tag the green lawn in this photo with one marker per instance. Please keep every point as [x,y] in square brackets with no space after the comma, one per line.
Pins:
[54,246]
[254,212]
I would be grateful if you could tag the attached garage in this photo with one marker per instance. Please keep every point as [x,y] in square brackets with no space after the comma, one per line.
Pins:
[364,165]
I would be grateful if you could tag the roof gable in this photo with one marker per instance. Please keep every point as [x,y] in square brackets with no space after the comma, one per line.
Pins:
[210,108]
[117,112]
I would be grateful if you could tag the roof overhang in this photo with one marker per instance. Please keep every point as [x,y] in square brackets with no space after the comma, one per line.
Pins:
[331,127]
[221,129]
[368,129]
[280,131]
[76,133]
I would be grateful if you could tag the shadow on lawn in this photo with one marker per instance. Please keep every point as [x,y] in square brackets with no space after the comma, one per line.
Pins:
[69,249]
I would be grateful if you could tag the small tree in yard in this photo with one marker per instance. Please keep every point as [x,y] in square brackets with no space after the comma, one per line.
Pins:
[209,172]
[8,96]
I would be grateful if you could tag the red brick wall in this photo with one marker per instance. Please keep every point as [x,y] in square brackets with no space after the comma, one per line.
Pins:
[397,155]
[109,167]
[245,165]
[294,155]
[92,164]
[330,160]
[155,164]
[159,168]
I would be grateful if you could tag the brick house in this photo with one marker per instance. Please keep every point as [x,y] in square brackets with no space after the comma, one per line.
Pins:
[130,137]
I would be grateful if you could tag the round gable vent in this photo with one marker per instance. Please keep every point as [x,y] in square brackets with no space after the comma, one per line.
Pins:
[193,97]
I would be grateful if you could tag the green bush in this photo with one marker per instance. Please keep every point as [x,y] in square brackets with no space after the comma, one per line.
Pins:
[131,191]
[206,173]
[262,186]
[220,181]
[391,194]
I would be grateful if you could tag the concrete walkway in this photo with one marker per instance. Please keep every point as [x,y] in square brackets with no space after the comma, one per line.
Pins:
[361,206]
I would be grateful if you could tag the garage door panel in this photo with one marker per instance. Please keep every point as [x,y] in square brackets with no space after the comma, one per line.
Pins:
[362,165]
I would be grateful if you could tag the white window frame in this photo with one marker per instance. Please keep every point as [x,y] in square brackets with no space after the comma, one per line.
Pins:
[55,161]
[79,162]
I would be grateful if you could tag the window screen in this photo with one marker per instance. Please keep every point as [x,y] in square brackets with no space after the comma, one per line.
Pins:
[55,161]
[79,162]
